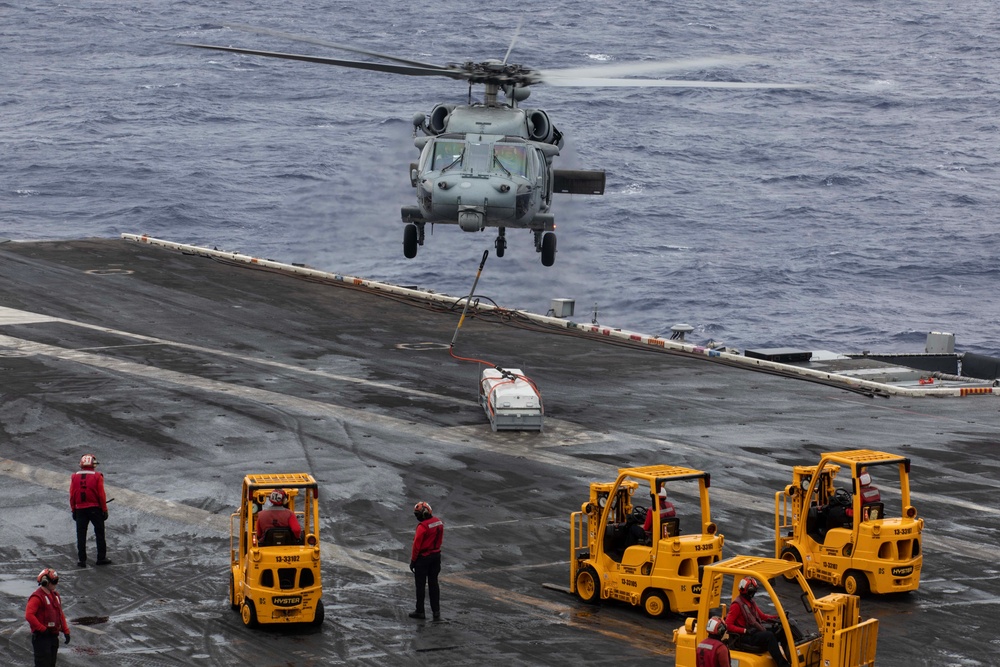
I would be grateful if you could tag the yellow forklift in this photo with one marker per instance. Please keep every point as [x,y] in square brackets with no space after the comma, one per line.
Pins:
[859,531]
[811,631]
[615,554]
[275,578]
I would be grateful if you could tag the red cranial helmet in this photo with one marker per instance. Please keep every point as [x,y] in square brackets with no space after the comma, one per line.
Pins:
[716,627]
[278,497]
[48,576]
[422,511]
[749,586]
[88,461]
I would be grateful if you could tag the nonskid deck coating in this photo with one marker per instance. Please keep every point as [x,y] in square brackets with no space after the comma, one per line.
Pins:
[183,374]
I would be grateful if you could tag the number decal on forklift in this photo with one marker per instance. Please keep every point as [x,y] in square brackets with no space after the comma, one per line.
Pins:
[287,559]
[630,582]
[902,531]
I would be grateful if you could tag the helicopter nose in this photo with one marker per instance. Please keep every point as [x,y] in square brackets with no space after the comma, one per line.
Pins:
[471,218]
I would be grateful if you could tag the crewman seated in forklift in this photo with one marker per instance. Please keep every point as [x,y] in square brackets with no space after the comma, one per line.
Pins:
[277,523]
[669,524]
[871,505]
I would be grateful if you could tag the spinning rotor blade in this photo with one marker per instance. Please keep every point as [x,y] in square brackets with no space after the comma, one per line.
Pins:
[609,76]
[645,67]
[660,83]
[378,67]
[332,45]
[513,39]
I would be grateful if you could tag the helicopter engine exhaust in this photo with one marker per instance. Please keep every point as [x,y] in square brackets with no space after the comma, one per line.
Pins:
[540,128]
[437,123]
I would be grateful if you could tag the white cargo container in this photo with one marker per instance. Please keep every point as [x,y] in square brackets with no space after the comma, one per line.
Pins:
[510,400]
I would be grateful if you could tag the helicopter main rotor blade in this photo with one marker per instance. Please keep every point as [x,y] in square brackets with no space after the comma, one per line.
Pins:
[333,45]
[513,39]
[645,67]
[559,82]
[377,67]
[610,76]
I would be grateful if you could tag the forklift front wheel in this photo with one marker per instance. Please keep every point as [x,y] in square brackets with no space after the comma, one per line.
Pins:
[791,554]
[654,603]
[248,614]
[856,583]
[588,586]
[232,593]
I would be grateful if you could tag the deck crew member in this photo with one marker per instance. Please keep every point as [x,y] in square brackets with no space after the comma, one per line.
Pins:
[666,509]
[745,621]
[425,559]
[45,616]
[89,505]
[711,652]
[277,516]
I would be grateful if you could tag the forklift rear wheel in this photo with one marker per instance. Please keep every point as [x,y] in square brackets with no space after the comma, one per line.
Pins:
[856,583]
[588,586]
[654,603]
[248,614]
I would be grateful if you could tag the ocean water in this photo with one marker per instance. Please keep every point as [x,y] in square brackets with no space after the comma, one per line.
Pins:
[857,213]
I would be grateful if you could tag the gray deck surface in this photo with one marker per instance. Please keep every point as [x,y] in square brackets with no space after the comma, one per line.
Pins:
[182,374]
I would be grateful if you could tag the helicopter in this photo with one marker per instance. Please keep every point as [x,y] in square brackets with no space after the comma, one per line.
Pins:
[489,163]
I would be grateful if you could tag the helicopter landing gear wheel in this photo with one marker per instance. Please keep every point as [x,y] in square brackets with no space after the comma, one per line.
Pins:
[501,243]
[410,241]
[548,249]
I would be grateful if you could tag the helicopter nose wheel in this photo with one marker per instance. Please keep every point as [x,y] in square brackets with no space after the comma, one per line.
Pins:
[501,243]
[410,241]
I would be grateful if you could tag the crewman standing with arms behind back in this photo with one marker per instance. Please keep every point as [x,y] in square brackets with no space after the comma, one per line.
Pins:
[425,560]
[89,506]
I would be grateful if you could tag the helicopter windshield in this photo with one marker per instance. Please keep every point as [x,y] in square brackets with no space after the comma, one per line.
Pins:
[511,159]
[447,154]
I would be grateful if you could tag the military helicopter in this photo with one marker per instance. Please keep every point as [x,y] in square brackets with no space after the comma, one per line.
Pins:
[489,163]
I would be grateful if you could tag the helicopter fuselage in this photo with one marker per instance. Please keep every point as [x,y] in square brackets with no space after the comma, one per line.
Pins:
[480,168]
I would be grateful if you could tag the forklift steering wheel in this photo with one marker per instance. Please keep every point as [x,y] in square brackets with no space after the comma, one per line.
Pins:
[639,514]
[842,497]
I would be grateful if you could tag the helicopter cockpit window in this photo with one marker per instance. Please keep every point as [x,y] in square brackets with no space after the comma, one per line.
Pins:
[511,159]
[447,154]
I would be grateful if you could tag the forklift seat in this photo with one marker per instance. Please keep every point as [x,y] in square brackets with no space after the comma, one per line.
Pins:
[277,537]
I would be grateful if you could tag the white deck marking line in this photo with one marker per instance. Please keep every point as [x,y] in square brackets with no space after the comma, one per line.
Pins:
[11,316]
[14,316]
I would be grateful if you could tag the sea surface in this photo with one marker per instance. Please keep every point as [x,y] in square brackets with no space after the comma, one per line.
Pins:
[857,213]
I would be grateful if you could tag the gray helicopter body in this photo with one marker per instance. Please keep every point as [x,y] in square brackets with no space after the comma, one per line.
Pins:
[490,166]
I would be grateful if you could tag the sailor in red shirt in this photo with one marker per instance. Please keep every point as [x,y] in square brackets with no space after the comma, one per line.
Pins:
[45,616]
[745,620]
[666,511]
[277,516]
[425,559]
[711,652]
[89,506]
